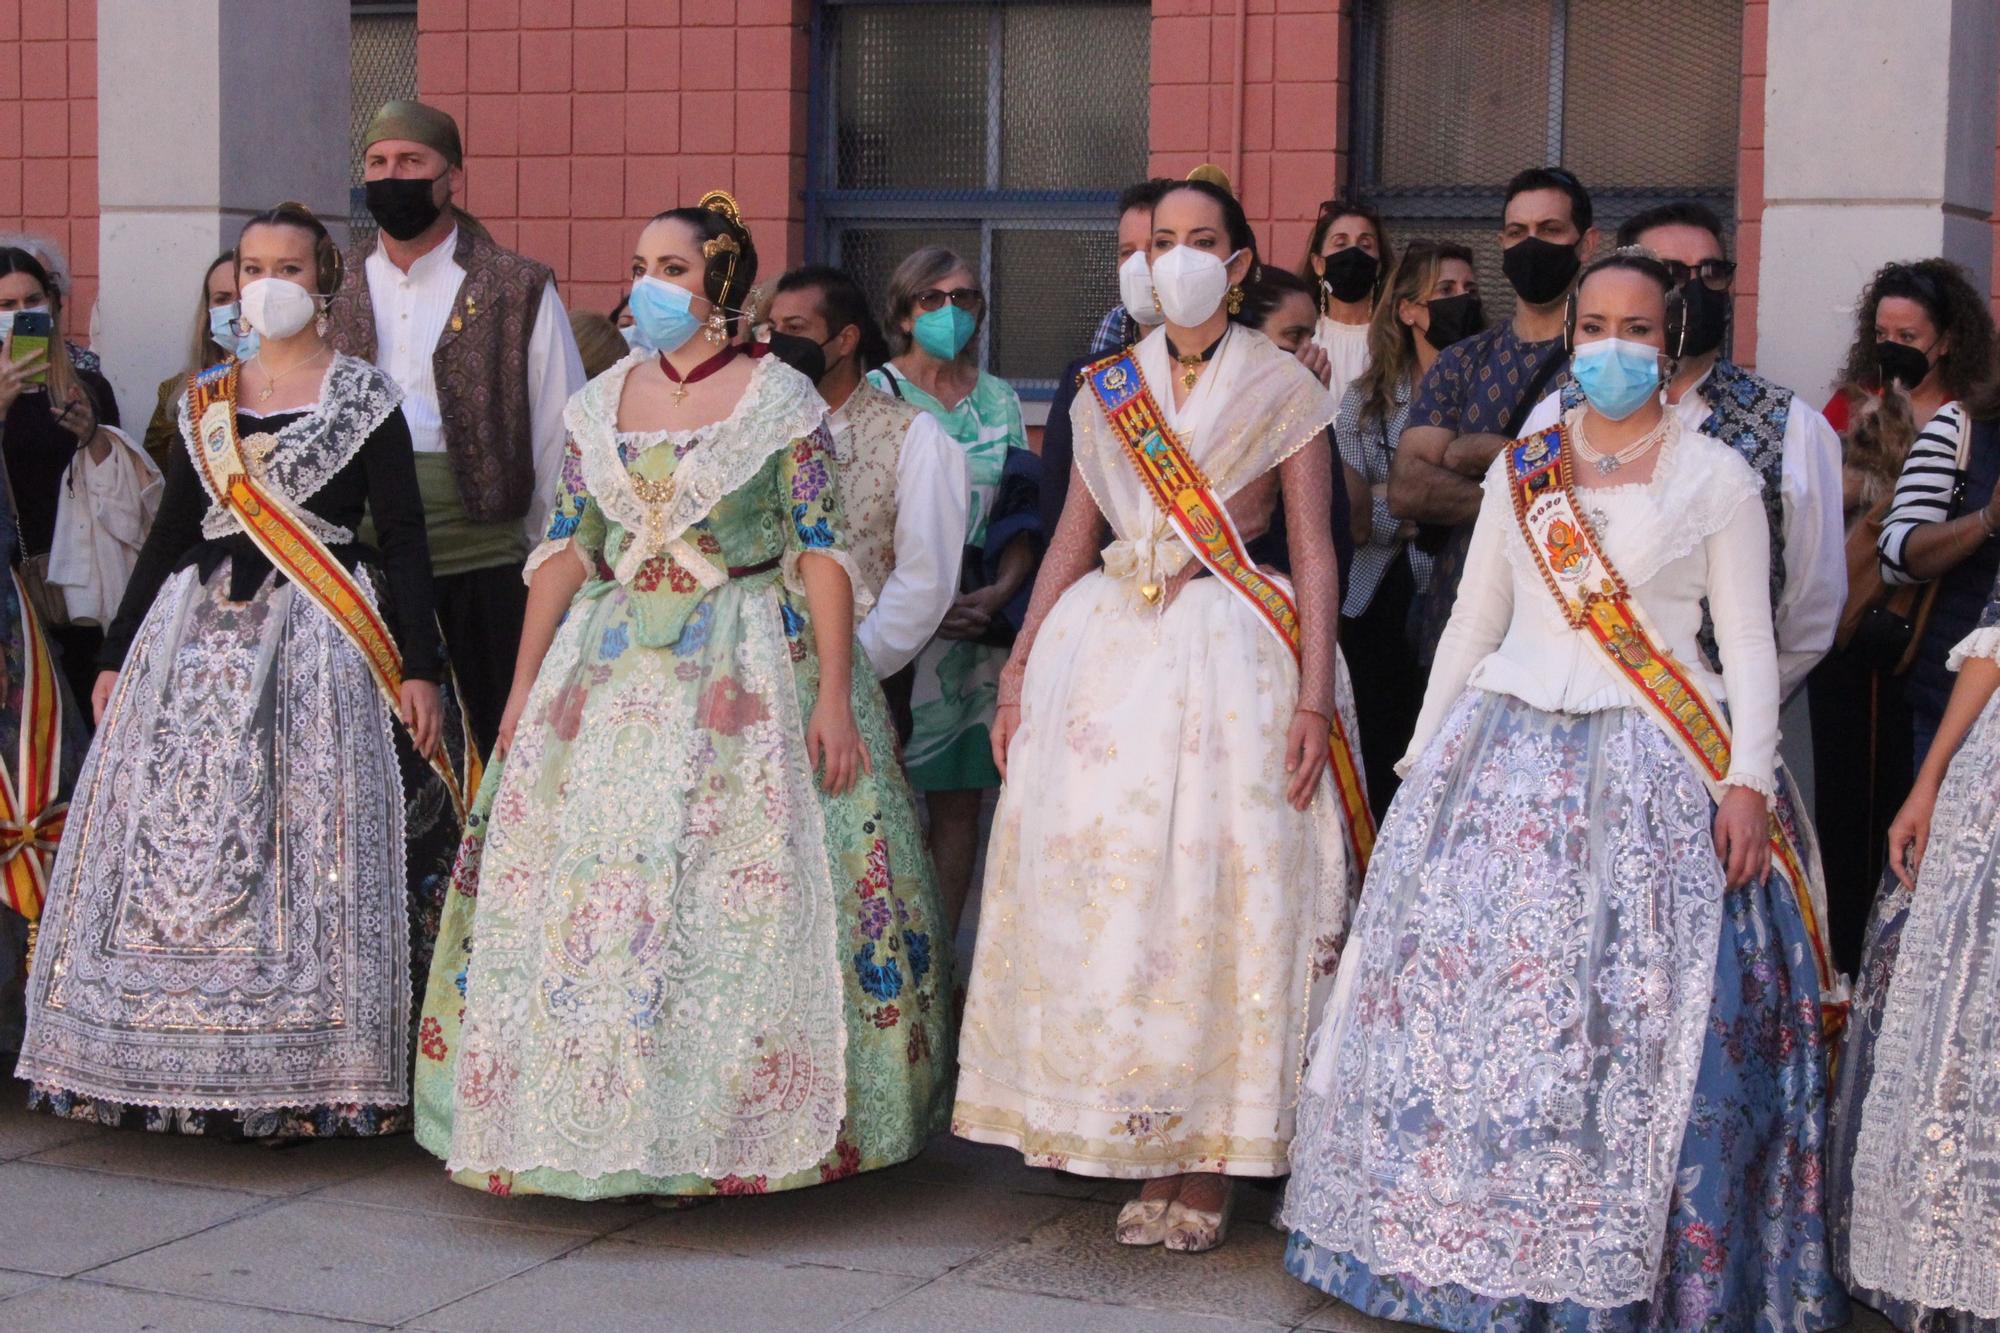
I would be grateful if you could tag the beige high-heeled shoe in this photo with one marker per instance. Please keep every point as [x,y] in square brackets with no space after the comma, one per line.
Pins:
[1195,1230]
[1143,1221]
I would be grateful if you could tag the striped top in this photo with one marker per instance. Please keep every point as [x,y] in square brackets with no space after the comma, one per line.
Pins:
[1923,489]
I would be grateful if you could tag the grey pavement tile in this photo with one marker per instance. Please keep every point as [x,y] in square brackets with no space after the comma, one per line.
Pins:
[950,1160]
[611,1285]
[61,1221]
[883,1226]
[190,1160]
[1076,1256]
[101,1309]
[310,1256]
[419,1185]
[965,1307]
[13,1284]
[23,1131]
[1334,1317]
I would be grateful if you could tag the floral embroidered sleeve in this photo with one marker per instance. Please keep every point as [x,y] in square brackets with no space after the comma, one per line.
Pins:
[575,521]
[809,494]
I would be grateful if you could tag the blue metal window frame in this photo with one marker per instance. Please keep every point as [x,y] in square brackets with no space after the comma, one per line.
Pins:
[831,210]
[1476,203]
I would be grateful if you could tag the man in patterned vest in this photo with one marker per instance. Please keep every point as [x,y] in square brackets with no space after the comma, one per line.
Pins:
[1791,448]
[903,483]
[478,340]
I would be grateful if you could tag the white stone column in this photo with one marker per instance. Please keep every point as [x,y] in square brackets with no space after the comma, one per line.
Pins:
[1878,145]
[208,111]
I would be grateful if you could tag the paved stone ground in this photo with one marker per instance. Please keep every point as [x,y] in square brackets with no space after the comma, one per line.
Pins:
[103,1230]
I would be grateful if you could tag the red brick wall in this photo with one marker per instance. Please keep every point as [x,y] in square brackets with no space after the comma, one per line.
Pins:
[1294,105]
[1750,180]
[48,135]
[582,118]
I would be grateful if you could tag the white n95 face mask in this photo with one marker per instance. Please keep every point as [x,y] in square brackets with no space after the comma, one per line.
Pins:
[1135,290]
[1191,283]
[277,307]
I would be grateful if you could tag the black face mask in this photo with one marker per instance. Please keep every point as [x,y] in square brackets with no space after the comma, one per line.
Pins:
[1349,275]
[1902,364]
[402,206]
[1540,271]
[1705,318]
[800,353]
[1453,318]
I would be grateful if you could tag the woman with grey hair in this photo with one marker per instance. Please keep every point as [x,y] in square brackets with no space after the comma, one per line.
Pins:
[935,308]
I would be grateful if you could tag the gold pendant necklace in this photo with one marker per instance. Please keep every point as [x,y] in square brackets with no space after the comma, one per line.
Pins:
[271,381]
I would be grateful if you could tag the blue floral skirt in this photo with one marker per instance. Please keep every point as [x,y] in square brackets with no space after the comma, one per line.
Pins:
[1746,1240]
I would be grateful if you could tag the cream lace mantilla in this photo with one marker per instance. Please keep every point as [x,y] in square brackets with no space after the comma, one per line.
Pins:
[778,406]
[296,461]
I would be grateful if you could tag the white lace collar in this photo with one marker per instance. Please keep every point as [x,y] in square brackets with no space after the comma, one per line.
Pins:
[306,453]
[778,406]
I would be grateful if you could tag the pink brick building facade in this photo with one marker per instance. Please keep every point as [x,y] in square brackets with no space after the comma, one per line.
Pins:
[48,132]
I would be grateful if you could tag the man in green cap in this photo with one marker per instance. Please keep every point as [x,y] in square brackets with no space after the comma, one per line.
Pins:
[478,340]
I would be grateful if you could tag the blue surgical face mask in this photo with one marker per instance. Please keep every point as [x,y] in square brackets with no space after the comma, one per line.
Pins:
[945,331]
[222,328]
[630,333]
[662,314]
[1615,375]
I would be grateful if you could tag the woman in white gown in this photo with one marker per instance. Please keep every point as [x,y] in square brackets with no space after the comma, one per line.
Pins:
[1914,1154]
[1167,880]
[1572,1074]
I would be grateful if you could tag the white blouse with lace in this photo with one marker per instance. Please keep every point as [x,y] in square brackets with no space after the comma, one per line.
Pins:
[1695,530]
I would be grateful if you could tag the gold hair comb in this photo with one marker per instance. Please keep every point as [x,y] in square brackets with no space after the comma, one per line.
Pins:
[1211,174]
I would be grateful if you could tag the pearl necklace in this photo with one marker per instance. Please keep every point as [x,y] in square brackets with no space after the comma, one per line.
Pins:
[1606,464]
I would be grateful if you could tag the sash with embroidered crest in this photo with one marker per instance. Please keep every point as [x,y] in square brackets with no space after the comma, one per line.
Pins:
[1593,599]
[31,818]
[1200,520]
[294,549]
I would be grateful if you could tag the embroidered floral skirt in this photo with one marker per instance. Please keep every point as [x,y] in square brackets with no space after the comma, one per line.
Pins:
[1158,924]
[1914,1158]
[247,886]
[1561,1065]
[669,964]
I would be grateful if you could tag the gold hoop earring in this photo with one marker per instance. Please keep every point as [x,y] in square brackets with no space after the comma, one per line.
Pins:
[1235,301]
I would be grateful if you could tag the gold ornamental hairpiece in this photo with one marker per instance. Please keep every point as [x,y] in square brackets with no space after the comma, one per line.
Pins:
[723,202]
[1213,175]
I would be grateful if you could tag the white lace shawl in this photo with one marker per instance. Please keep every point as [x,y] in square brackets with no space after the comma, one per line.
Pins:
[354,399]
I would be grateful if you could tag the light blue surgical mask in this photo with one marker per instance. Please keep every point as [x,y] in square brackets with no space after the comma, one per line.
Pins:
[630,333]
[945,331]
[662,314]
[1615,375]
[222,328]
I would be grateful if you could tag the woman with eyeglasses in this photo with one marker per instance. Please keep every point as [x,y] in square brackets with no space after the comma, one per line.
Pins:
[1168,882]
[935,311]
[1347,258]
[1572,1075]
[693,946]
[241,898]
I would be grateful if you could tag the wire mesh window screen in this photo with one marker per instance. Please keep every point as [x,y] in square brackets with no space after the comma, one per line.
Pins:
[381,66]
[1001,128]
[1452,97]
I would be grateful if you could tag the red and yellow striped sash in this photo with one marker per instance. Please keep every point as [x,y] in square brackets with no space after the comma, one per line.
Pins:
[1185,497]
[1593,598]
[294,549]
[31,818]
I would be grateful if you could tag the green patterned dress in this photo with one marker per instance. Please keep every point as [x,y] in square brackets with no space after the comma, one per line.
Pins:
[669,963]
[957,684]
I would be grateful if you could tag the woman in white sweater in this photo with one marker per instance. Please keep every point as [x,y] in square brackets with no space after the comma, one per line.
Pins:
[1572,1071]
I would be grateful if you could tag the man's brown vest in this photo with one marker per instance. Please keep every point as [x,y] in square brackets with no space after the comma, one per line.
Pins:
[481,366]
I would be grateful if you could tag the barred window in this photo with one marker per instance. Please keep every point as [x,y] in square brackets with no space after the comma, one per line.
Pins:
[381,67]
[1452,97]
[1002,130]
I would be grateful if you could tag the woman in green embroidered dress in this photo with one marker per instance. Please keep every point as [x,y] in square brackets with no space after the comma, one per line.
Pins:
[674,962]
[935,309]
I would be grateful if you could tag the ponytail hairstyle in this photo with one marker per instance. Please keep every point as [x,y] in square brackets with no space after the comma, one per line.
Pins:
[729,256]
[328,266]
